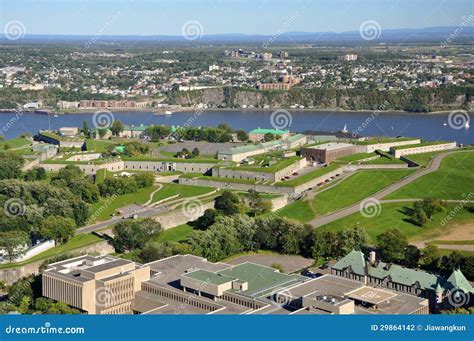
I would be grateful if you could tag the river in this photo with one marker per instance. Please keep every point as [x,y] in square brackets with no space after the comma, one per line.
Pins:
[428,127]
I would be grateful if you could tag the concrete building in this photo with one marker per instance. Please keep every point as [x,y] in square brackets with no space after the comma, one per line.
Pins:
[394,277]
[240,153]
[327,152]
[96,285]
[249,288]
[258,135]
[330,294]
[384,144]
[187,284]
[61,141]
[426,147]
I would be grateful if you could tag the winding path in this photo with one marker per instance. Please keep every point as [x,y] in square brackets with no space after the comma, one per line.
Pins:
[432,167]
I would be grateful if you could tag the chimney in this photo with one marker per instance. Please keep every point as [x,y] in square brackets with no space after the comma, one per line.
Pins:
[372,257]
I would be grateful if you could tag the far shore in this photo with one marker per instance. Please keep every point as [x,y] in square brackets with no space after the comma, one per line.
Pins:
[191,110]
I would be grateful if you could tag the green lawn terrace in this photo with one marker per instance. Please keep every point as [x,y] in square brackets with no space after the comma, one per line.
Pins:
[381,140]
[265,164]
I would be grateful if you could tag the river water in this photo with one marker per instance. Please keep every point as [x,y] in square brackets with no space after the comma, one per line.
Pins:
[429,127]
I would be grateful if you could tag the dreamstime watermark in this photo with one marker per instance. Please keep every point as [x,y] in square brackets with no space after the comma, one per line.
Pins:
[467,198]
[282,29]
[368,121]
[370,208]
[282,298]
[198,112]
[14,30]
[14,207]
[19,111]
[370,30]
[45,329]
[459,119]
[192,208]
[103,119]
[458,298]
[281,119]
[192,30]
[104,29]
[457,31]
[101,209]
[103,296]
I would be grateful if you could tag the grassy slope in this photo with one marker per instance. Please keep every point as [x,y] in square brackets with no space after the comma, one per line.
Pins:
[454,180]
[138,198]
[176,234]
[171,189]
[394,215]
[355,188]
[358,186]
[76,242]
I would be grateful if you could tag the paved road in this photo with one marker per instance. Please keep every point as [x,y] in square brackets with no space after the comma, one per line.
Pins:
[432,167]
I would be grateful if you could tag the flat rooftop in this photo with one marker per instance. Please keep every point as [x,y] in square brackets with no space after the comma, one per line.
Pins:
[371,295]
[262,280]
[331,146]
[169,270]
[209,277]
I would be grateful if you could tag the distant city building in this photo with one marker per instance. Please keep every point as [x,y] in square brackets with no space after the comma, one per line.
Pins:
[327,152]
[287,82]
[348,57]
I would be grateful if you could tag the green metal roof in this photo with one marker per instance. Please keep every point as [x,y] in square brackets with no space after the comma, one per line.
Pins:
[401,275]
[141,127]
[458,281]
[355,260]
[268,131]
[209,277]
[261,279]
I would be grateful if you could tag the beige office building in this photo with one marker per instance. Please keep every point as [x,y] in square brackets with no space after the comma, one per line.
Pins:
[96,285]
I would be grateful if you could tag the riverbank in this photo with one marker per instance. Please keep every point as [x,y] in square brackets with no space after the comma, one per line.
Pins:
[224,110]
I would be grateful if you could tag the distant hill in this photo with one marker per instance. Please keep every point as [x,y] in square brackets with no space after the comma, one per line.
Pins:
[430,34]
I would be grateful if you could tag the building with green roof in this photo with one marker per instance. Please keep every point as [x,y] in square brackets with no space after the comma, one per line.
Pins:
[247,279]
[240,153]
[395,277]
[258,134]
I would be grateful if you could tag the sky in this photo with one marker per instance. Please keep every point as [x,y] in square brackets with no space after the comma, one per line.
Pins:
[167,17]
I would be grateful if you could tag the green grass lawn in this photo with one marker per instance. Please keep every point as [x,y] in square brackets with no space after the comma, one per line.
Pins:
[454,180]
[17,142]
[384,161]
[176,234]
[76,242]
[421,159]
[299,210]
[348,191]
[280,163]
[354,157]
[185,191]
[356,187]
[394,215]
[107,208]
